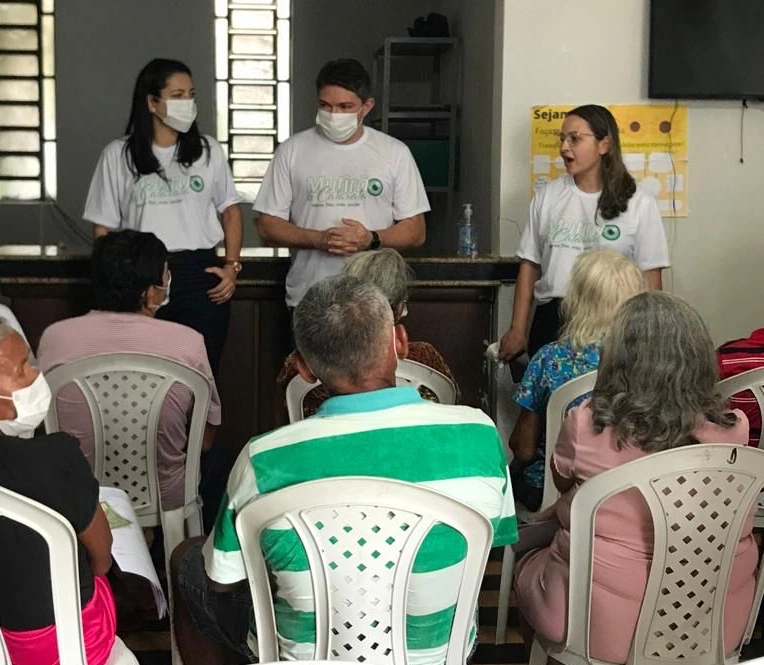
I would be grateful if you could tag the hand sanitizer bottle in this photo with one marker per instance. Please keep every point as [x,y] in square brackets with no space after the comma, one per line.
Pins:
[467,233]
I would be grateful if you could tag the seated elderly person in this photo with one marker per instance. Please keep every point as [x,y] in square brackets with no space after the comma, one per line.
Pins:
[130,283]
[386,269]
[599,282]
[655,390]
[51,470]
[344,332]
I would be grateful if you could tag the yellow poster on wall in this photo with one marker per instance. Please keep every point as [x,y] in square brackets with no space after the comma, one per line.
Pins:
[653,142]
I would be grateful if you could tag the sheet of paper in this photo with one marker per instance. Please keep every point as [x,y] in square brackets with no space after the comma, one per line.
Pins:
[129,547]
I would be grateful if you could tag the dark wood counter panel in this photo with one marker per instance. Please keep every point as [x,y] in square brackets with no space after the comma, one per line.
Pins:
[452,305]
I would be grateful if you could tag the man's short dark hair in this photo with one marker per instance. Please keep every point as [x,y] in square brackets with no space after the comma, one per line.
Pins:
[346,73]
[125,264]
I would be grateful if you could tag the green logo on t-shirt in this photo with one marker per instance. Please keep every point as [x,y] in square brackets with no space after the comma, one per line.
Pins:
[611,232]
[374,187]
[196,183]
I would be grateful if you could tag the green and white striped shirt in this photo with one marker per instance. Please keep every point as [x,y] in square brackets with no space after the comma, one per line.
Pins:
[391,433]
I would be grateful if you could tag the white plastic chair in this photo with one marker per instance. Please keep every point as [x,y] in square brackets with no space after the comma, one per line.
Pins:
[752,380]
[409,373]
[362,594]
[699,497]
[558,405]
[64,578]
[125,393]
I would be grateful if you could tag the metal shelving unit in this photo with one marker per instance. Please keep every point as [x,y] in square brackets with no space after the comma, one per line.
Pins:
[429,117]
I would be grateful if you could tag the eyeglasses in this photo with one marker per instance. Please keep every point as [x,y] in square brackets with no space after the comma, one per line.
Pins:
[574,138]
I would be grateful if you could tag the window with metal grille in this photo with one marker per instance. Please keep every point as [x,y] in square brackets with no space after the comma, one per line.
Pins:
[27,100]
[252,72]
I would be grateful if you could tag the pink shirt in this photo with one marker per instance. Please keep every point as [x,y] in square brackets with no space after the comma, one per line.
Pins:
[112,332]
[623,546]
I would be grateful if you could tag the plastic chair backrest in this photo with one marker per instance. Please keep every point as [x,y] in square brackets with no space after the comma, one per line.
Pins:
[409,373]
[124,393]
[64,571]
[416,374]
[752,380]
[361,536]
[699,497]
[557,407]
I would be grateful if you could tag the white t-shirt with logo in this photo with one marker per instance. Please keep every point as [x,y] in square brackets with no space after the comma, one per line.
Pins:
[562,226]
[315,183]
[181,209]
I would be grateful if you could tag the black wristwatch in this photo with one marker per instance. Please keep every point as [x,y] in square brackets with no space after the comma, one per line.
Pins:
[375,242]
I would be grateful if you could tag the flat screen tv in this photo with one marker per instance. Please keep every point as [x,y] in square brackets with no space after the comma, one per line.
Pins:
[706,49]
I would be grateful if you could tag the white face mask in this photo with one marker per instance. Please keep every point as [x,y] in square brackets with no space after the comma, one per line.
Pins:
[166,294]
[337,127]
[181,114]
[31,404]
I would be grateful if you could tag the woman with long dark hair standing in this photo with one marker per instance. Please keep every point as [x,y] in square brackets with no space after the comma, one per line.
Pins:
[167,178]
[595,205]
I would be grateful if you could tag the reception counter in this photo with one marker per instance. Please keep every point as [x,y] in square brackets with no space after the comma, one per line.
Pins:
[452,304]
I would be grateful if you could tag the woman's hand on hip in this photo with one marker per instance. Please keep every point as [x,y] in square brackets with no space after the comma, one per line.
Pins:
[224,291]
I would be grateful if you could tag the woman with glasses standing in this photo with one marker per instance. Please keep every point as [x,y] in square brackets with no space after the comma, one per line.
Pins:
[167,178]
[596,205]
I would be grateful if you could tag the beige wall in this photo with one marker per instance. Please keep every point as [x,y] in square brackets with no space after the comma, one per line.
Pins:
[560,52]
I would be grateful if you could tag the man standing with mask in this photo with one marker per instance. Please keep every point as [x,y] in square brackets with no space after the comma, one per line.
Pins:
[339,187]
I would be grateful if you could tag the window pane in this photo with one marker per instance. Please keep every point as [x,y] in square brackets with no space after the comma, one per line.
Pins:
[19,116]
[253,120]
[48,47]
[248,190]
[27,99]
[19,166]
[49,160]
[16,14]
[252,94]
[49,109]
[246,143]
[252,44]
[221,48]
[19,91]
[252,69]
[18,39]
[283,107]
[283,50]
[245,18]
[18,65]
[20,189]
[221,110]
[249,168]
[19,141]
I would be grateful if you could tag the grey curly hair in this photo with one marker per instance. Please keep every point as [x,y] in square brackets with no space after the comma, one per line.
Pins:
[384,268]
[657,375]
